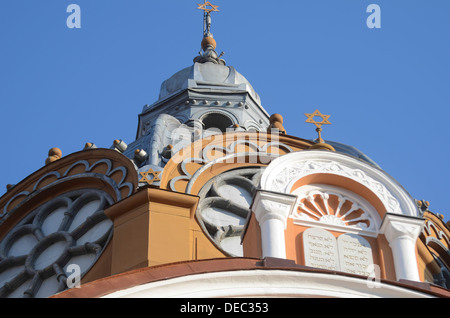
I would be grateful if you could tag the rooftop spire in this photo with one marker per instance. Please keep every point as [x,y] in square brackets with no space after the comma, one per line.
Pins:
[208,43]
[320,144]
[207,7]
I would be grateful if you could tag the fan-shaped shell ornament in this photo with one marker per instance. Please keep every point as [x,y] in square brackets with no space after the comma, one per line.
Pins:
[333,208]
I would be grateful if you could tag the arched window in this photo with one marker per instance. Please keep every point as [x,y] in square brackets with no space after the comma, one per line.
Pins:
[217,120]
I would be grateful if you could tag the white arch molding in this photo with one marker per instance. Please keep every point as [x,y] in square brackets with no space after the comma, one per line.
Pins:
[285,171]
[401,222]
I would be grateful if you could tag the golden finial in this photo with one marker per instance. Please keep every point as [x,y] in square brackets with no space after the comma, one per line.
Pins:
[325,121]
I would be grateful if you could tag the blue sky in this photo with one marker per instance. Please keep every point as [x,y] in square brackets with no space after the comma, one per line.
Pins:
[387,90]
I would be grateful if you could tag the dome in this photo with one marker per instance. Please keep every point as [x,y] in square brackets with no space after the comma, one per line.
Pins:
[352,151]
[208,76]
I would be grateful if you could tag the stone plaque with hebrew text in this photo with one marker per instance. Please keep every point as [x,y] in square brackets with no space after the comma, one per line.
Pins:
[320,248]
[355,254]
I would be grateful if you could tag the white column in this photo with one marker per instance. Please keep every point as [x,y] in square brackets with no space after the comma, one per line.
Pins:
[272,211]
[402,232]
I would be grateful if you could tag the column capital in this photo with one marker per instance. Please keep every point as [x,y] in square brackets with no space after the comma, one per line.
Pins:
[273,205]
[402,232]
[396,226]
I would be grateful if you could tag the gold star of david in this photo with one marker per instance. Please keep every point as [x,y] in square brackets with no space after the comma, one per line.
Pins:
[317,113]
[155,174]
[204,7]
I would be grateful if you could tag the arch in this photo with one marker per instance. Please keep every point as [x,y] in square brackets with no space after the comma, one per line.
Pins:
[96,168]
[241,148]
[288,172]
[229,117]
[217,120]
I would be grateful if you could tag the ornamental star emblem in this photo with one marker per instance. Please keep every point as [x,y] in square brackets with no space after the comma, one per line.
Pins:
[207,7]
[317,113]
[155,174]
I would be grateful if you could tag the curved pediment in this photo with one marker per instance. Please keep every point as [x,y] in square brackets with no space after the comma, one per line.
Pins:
[288,173]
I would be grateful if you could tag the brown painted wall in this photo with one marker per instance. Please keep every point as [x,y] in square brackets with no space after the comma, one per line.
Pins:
[155,227]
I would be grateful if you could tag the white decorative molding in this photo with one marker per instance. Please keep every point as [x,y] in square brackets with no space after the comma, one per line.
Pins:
[287,177]
[265,283]
[282,174]
[268,210]
[395,227]
[271,205]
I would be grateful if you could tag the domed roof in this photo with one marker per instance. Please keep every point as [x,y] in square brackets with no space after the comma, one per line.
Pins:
[352,151]
[208,76]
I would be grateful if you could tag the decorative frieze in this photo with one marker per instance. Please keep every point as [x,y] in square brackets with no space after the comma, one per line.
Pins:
[285,172]
[109,167]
